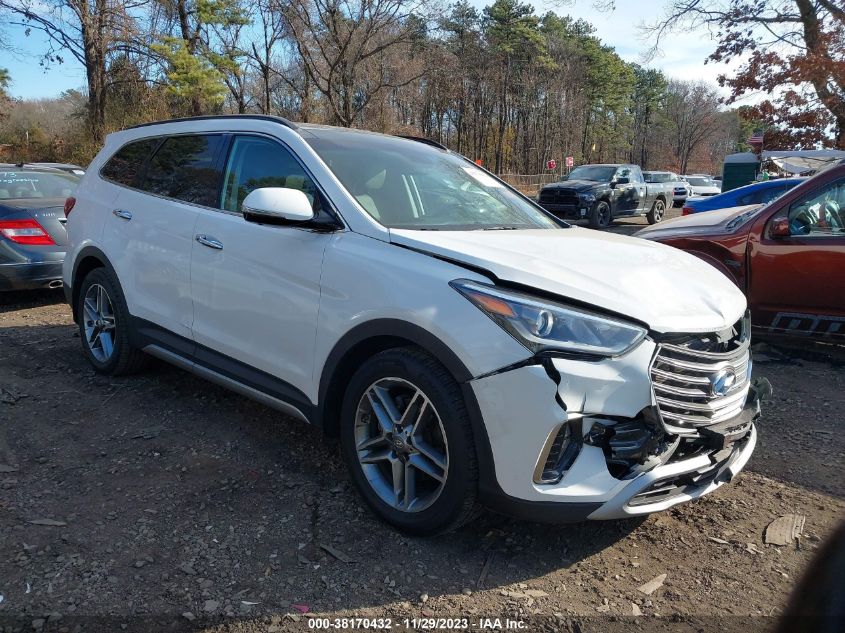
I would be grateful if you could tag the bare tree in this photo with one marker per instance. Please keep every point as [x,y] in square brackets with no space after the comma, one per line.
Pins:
[692,111]
[343,45]
[90,31]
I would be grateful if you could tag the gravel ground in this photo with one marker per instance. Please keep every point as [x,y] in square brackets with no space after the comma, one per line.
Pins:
[162,502]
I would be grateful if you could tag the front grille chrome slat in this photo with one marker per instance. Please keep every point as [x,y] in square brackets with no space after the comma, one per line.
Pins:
[699,353]
[702,379]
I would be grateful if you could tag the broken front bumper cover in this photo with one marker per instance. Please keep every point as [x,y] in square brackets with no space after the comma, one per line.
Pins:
[523,408]
[678,482]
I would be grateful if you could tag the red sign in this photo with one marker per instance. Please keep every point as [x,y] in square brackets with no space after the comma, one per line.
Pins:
[551,164]
[570,161]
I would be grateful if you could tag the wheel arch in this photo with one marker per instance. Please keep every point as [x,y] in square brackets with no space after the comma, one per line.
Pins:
[361,343]
[88,259]
[372,337]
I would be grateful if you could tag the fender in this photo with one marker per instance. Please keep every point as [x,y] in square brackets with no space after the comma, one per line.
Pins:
[373,336]
[720,266]
[88,252]
[392,328]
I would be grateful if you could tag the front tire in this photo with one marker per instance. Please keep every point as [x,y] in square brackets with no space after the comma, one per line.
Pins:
[406,439]
[658,210]
[601,217]
[104,326]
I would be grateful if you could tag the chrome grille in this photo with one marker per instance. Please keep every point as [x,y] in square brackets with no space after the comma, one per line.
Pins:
[703,379]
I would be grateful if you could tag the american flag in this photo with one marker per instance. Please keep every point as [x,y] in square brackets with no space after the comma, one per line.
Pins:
[756,136]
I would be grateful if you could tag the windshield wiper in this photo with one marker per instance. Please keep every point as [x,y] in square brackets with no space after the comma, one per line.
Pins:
[501,228]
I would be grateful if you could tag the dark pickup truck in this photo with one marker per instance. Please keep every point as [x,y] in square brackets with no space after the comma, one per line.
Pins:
[602,193]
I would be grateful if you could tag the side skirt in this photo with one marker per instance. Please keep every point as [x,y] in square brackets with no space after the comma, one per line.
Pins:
[220,369]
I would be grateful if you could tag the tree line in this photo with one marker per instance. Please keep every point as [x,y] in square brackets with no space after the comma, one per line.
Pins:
[502,85]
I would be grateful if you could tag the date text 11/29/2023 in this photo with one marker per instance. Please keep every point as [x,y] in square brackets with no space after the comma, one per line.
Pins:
[418,624]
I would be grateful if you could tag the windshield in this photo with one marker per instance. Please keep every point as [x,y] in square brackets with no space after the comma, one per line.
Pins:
[22,184]
[698,181]
[406,184]
[598,173]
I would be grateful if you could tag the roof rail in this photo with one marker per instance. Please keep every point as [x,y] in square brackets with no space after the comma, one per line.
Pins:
[427,141]
[215,117]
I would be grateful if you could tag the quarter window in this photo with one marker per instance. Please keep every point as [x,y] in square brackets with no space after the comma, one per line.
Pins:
[184,168]
[126,164]
[258,162]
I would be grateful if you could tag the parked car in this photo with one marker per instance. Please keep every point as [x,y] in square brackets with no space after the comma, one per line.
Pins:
[680,189]
[702,185]
[602,193]
[787,256]
[32,233]
[466,346]
[756,193]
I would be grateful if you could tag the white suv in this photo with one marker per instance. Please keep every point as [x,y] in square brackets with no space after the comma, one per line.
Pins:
[468,348]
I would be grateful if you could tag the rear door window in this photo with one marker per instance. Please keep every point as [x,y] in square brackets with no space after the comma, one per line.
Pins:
[185,168]
[126,165]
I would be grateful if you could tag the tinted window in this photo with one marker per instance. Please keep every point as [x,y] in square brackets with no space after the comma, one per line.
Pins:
[587,172]
[125,166]
[184,168]
[257,162]
[763,196]
[36,184]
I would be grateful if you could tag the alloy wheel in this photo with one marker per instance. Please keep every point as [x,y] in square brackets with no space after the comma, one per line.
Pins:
[401,444]
[99,323]
[659,210]
[604,214]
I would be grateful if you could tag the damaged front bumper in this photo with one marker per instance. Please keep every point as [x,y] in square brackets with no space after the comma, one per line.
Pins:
[576,439]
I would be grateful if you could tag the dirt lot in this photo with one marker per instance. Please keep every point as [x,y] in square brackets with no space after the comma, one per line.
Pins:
[180,505]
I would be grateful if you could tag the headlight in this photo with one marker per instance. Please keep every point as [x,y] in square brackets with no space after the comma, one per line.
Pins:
[543,325]
[589,198]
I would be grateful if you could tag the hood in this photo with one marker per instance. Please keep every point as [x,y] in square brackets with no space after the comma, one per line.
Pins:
[720,221]
[663,287]
[577,185]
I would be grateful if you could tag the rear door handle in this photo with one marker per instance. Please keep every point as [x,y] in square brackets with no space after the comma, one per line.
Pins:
[123,215]
[205,240]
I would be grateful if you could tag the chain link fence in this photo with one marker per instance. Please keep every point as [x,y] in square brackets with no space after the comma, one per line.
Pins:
[530,184]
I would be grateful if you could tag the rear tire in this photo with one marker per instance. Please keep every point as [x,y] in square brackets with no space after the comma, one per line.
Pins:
[601,217]
[658,211]
[404,420]
[104,326]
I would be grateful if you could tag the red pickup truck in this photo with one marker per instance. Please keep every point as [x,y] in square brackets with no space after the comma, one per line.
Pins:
[787,256]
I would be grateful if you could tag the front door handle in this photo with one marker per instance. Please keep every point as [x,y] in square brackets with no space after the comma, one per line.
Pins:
[205,240]
[123,215]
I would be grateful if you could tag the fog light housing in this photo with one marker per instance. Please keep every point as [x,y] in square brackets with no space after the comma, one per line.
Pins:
[559,453]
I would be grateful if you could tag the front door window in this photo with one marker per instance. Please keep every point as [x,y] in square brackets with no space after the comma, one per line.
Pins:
[821,213]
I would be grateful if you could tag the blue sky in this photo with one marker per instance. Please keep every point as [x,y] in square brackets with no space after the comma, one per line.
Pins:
[682,54]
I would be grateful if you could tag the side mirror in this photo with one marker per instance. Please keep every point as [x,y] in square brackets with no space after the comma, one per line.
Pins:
[277,205]
[622,180]
[780,228]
